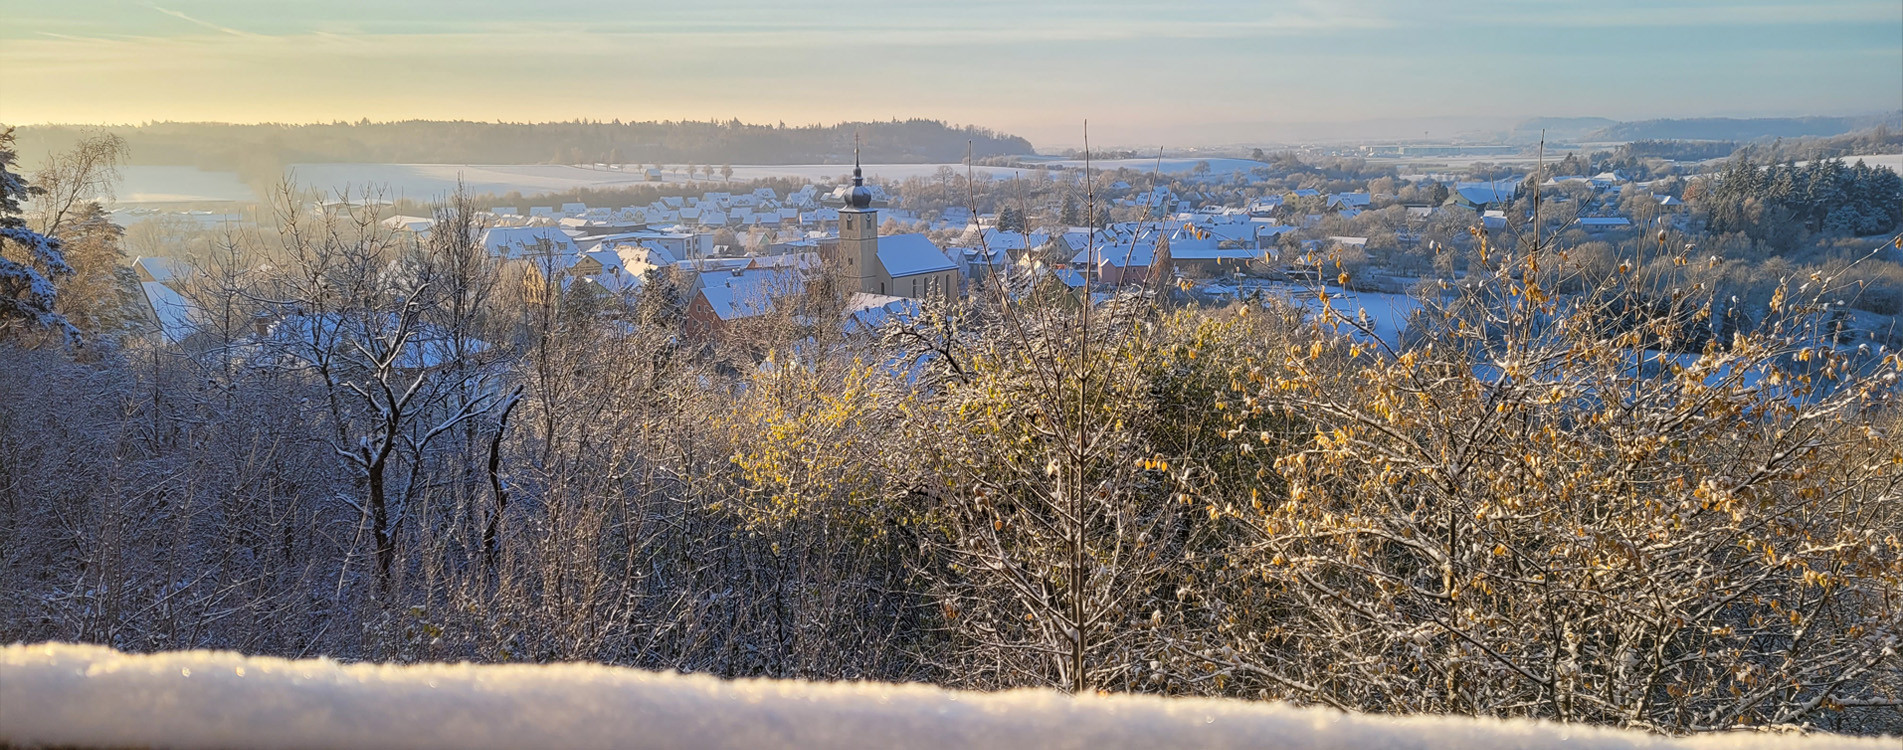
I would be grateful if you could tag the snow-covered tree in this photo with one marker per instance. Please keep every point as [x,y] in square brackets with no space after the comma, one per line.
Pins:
[31,262]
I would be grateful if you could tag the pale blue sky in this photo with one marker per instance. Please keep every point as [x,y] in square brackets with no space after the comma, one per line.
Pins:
[1168,73]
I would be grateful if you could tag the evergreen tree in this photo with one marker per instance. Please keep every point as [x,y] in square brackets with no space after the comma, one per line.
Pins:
[1010,220]
[30,262]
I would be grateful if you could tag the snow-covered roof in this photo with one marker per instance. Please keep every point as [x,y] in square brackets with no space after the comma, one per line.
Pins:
[608,259]
[1349,200]
[1604,221]
[644,257]
[1139,253]
[161,269]
[1488,192]
[745,294]
[1210,250]
[306,336]
[910,255]
[1014,240]
[510,242]
[866,311]
[417,224]
[615,282]
[795,261]
[173,312]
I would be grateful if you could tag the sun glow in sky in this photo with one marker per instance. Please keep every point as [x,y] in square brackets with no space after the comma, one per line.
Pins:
[1143,72]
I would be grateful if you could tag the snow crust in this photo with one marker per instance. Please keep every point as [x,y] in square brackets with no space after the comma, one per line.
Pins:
[92,696]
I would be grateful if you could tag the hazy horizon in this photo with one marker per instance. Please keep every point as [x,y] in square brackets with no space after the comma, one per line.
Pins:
[1217,73]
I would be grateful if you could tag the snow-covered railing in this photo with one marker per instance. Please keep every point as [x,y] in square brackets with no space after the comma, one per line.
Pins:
[90,696]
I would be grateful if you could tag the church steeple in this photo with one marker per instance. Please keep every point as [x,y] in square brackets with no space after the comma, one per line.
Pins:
[858,196]
[859,230]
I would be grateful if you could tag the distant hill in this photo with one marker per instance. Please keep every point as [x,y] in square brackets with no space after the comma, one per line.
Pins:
[1732,129]
[262,151]
[1557,128]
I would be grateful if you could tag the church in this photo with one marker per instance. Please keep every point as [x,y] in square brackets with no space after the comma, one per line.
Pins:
[904,265]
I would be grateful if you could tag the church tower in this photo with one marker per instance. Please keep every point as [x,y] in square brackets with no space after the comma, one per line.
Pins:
[859,233]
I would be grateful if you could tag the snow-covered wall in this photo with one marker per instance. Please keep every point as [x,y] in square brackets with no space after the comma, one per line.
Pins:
[89,696]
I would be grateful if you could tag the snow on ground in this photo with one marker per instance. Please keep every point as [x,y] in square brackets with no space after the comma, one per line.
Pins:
[151,184]
[430,181]
[92,696]
[1167,165]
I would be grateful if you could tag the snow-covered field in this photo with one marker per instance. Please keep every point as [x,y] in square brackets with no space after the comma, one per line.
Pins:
[429,181]
[1167,165]
[92,696]
[147,184]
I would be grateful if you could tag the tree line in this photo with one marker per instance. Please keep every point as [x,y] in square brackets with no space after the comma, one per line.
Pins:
[1779,204]
[264,149]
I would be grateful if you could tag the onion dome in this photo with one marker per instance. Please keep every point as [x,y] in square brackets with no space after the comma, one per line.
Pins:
[859,196]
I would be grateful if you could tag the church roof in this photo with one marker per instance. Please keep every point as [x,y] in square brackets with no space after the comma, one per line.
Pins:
[910,255]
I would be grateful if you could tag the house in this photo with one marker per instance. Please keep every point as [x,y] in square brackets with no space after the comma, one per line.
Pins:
[724,298]
[160,270]
[417,225]
[800,262]
[312,338]
[167,312]
[1209,257]
[1269,236]
[979,264]
[596,263]
[638,260]
[1596,224]
[1481,196]
[1349,200]
[866,313]
[574,209]
[525,242]
[1117,263]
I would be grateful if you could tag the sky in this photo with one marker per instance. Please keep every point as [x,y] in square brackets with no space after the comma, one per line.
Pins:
[1154,72]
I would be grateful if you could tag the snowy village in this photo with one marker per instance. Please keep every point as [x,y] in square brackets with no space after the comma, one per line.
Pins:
[447,377]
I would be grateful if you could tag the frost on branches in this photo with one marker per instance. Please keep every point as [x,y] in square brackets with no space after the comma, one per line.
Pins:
[1569,492]
[1583,507]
